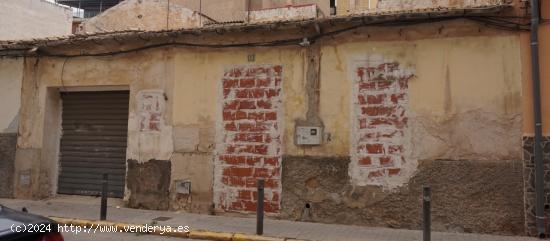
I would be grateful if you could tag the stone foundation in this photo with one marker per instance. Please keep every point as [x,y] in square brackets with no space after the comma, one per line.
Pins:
[8,142]
[529,182]
[148,184]
[468,196]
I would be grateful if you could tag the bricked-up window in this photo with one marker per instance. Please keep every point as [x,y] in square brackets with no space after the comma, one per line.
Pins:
[251,143]
[380,110]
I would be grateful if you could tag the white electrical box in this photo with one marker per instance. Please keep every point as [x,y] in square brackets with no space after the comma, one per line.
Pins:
[309,135]
[183,186]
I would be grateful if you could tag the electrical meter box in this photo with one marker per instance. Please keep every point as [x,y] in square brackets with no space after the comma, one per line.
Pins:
[309,135]
[183,186]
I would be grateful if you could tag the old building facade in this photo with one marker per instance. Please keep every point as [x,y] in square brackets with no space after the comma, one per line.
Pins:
[345,118]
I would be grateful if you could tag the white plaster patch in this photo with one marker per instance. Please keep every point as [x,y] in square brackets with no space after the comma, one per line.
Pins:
[151,108]
[148,135]
[380,140]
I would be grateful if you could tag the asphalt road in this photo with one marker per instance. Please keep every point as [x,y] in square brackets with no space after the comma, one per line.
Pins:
[119,237]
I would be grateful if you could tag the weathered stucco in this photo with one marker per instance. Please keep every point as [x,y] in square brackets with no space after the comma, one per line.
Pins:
[36,156]
[11,75]
[353,6]
[221,11]
[440,96]
[323,6]
[447,120]
[412,4]
[283,13]
[142,15]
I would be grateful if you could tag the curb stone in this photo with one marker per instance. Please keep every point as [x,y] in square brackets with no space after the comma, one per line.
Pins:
[192,234]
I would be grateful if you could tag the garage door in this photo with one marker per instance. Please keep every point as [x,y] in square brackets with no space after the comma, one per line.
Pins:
[93,142]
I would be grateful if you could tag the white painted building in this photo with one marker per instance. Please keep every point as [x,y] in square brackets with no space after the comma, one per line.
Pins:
[27,19]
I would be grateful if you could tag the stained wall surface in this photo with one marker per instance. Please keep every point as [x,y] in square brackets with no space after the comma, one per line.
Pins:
[142,15]
[528,115]
[430,102]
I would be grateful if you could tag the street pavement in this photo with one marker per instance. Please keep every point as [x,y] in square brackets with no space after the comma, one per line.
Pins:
[119,237]
[88,208]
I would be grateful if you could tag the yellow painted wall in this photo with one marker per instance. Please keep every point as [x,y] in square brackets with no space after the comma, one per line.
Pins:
[457,80]
[11,75]
[454,76]
[350,6]
[544,61]
[464,101]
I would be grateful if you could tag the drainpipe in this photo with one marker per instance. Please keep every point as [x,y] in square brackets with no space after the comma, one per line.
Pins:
[539,162]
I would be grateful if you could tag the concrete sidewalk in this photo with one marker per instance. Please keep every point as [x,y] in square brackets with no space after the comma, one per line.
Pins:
[88,208]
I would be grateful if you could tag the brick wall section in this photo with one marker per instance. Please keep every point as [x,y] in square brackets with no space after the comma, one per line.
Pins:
[381,117]
[251,145]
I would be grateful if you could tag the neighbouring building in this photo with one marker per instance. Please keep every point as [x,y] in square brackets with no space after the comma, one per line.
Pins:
[28,19]
[344,117]
[19,20]
[176,14]
[89,8]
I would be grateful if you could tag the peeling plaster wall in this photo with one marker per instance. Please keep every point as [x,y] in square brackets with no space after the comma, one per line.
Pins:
[446,119]
[413,4]
[149,15]
[463,107]
[357,6]
[221,11]
[380,116]
[323,7]
[200,86]
[248,145]
[283,13]
[353,6]
[11,76]
[35,171]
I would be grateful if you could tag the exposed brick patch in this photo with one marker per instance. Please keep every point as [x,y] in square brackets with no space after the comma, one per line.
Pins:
[380,113]
[250,146]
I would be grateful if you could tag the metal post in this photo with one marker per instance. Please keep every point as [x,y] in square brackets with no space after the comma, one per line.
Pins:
[104,190]
[260,208]
[540,195]
[426,212]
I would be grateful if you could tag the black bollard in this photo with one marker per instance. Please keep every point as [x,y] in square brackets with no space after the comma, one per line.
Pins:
[426,212]
[104,193]
[260,208]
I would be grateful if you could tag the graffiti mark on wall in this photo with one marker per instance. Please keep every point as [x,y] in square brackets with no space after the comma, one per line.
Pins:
[151,108]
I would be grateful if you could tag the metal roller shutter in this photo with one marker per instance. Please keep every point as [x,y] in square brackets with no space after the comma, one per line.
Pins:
[95,127]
